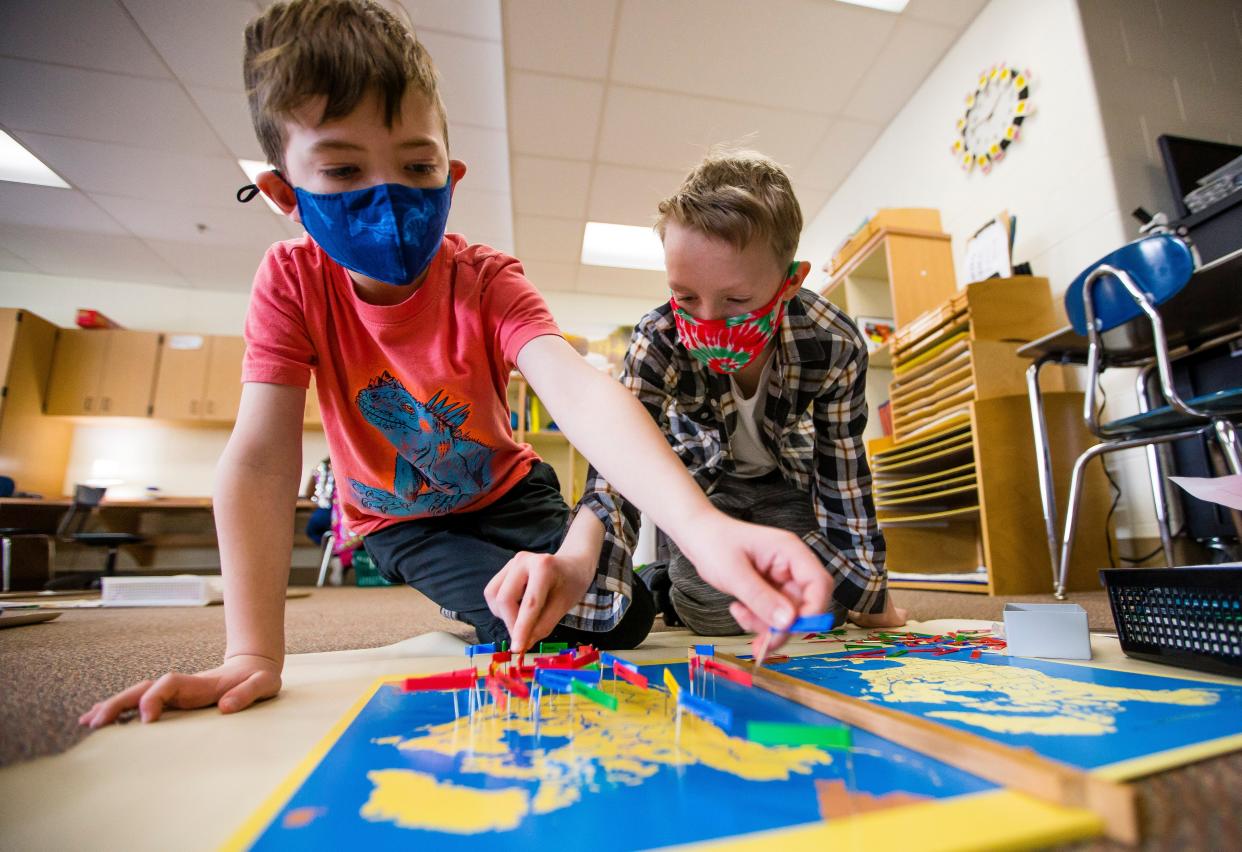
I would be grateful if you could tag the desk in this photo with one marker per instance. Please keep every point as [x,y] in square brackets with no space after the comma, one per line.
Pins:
[1207,311]
[180,534]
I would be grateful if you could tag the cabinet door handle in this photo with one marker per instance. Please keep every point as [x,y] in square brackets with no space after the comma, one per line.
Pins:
[86,406]
[211,407]
[194,406]
[106,403]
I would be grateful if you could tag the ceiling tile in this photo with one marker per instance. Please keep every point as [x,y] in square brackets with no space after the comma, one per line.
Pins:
[10,262]
[483,217]
[559,36]
[779,53]
[486,155]
[213,267]
[549,276]
[545,187]
[546,238]
[628,196]
[476,18]
[634,283]
[659,131]
[138,172]
[900,68]
[472,78]
[50,207]
[201,42]
[954,13]
[228,113]
[109,257]
[839,151]
[554,116]
[241,225]
[96,35]
[103,107]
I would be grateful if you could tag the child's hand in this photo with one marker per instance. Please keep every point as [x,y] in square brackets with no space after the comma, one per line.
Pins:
[534,591]
[772,574]
[235,685]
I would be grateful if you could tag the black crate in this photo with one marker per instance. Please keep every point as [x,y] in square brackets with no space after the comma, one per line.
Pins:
[1189,617]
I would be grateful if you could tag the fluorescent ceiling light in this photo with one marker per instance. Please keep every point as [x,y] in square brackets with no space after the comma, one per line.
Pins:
[893,6]
[20,166]
[252,169]
[626,246]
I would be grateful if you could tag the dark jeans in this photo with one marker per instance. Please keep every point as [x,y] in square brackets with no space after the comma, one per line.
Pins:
[451,559]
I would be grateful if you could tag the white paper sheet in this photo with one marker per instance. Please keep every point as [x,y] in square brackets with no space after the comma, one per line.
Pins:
[1225,490]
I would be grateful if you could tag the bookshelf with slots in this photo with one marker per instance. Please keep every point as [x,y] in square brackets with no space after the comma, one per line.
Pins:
[955,485]
[955,482]
[896,267]
[532,424]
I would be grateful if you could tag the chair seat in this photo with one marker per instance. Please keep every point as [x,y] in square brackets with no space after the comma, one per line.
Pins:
[106,539]
[1166,418]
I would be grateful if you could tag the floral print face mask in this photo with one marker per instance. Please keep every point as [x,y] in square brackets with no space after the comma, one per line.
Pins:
[728,345]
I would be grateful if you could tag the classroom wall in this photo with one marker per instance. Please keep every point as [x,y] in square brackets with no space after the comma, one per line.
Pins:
[1162,66]
[1059,179]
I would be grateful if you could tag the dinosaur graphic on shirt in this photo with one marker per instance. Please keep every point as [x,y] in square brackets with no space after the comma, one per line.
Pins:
[437,466]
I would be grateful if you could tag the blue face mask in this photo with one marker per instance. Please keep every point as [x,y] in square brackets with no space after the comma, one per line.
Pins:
[388,232]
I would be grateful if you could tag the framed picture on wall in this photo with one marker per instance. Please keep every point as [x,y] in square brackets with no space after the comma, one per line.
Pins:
[877,331]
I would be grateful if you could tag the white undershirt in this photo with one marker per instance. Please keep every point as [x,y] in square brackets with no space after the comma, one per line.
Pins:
[750,457]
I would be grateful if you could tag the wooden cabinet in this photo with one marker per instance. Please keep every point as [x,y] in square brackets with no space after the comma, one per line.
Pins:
[103,372]
[954,488]
[222,395]
[199,378]
[530,420]
[34,448]
[895,275]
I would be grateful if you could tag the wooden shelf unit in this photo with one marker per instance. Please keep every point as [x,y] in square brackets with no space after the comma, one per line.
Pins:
[552,445]
[897,274]
[955,487]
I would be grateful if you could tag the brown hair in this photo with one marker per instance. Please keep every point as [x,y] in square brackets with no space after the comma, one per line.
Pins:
[339,49]
[737,196]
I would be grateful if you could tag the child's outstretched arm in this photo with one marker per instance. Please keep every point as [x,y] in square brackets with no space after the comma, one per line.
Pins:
[256,489]
[773,575]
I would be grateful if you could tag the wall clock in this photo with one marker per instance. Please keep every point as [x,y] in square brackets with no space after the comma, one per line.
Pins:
[993,119]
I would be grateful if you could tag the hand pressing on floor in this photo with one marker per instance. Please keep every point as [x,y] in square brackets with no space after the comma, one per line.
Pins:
[236,684]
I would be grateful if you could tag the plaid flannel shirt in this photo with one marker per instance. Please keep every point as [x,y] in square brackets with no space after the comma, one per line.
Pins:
[813,420]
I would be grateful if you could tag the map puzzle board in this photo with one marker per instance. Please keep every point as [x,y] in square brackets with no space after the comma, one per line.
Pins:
[400,769]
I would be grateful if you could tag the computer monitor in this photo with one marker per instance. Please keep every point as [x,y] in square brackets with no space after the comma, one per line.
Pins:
[1187,160]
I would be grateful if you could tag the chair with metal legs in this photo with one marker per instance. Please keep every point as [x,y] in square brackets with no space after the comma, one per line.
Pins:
[1121,294]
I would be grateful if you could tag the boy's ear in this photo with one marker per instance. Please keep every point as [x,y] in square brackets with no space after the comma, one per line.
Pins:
[800,274]
[457,171]
[278,189]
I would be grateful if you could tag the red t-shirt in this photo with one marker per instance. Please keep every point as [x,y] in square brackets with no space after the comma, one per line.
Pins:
[414,396]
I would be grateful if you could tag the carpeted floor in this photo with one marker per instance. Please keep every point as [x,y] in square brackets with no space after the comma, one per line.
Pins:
[50,673]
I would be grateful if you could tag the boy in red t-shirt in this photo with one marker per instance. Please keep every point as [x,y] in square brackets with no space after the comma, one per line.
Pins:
[411,335]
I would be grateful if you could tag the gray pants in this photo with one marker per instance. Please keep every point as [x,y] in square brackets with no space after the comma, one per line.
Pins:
[766,500]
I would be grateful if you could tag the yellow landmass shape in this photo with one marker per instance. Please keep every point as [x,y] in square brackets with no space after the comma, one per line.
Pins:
[459,810]
[595,746]
[1027,702]
[1003,724]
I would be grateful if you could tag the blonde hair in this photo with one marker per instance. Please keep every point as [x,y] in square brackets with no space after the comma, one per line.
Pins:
[342,50]
[737,196]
